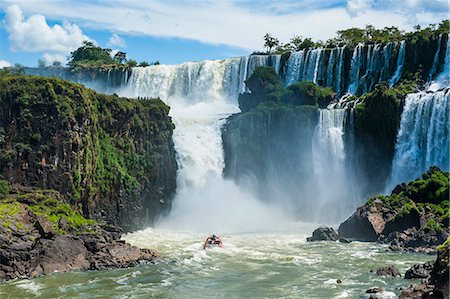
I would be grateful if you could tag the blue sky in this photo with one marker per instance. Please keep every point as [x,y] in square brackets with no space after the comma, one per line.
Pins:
[176,31]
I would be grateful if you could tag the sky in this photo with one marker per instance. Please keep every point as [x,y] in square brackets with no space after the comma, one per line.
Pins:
[173,31]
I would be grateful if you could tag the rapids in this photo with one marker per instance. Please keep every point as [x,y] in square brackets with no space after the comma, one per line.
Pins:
[271,264]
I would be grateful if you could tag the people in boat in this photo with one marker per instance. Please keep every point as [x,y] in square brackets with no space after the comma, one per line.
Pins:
[212,241]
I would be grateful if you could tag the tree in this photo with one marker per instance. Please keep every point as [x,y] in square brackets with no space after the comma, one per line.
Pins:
[270,42]
[56,64]
[144,63]
[41,63]
[296,42]
[131,63]
[90,54]
[120,57]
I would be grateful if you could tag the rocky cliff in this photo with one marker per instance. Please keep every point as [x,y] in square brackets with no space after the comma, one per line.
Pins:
[40,233]
[112,157]
[414,217]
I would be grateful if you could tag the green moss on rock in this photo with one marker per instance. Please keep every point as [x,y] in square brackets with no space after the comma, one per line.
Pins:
[112,156]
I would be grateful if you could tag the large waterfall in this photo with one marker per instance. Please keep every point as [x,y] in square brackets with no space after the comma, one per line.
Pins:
[317,175]
[201,96]
[334,188]
[423,137]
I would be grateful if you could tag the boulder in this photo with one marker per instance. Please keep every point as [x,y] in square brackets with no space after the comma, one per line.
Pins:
[323,233]
[344,240]
[390,270]
[374,290]
[366,224]
[440,273]
[419,271]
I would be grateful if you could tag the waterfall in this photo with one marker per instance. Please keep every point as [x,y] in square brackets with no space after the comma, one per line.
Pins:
[371,64]
[436,58]
[423,137]
[294,67]
[201,96]
[333,185]
[422,140]
[400,61]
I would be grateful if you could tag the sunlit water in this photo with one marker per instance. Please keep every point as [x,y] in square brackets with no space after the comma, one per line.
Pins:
[251,265]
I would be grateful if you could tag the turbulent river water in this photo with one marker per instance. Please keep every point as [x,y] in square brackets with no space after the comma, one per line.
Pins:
[269,264]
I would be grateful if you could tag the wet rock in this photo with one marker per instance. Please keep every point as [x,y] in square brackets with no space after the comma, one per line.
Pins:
[374,290]
[34,248]
[418,291]
[390,270]
[419,270]
[324,233]
[344,240]
[44,227]
[63,224]
[338,281]
[367,223]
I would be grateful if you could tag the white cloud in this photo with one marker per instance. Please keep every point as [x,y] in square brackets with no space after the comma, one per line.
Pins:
[358,6]
[233,23]
[33,34]
[116,40]
[4,63]
[50,58]
[113,52]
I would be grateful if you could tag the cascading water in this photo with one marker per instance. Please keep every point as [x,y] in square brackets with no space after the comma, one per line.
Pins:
[334,189]
[423,138]
[201,95]
[400,63]
[371,64]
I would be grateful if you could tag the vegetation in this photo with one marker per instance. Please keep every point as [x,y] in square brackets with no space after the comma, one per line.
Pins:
[47,204]
[107,147]
[4,188]
[353,36]
[427,195]
[90,55]
[265,86]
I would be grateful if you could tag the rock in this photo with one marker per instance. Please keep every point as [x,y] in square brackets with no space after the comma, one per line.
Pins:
[63,224]
[419,271]
[390,270]
[344,240]
[338,281]
[418,291]
[374,290]
[44,227]
[62,254]
[366,224]
[323,233]
[440,273]
[32,247]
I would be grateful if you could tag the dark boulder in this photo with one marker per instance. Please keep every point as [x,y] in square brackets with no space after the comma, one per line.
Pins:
[344,240]
[374,290]
[323,233]
[390,270]
[366,224]
[419,271]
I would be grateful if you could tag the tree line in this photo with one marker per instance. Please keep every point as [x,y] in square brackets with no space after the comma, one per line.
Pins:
[353,36]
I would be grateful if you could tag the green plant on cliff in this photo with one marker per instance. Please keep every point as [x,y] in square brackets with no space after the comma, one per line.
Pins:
[90,54]
[95,149]
[4,188]
[428,195]
[265,86]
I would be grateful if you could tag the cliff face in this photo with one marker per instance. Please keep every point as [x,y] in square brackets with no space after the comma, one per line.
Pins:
[376,122]
[259,148]
[111,156]
[414,217]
